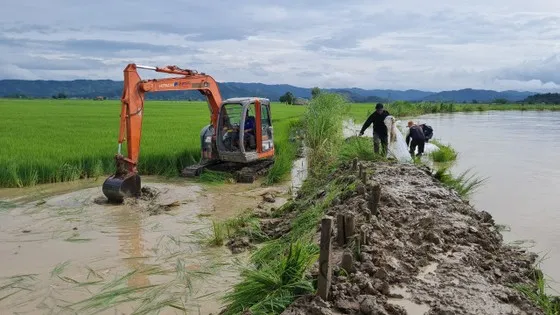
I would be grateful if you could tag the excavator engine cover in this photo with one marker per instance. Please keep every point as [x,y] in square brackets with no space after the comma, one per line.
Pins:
[116,188]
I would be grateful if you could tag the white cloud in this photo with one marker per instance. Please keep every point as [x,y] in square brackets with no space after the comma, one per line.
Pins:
[384,44]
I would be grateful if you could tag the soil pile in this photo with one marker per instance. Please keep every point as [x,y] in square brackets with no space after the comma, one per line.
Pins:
[427,252]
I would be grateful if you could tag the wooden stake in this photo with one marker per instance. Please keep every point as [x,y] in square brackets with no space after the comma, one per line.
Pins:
[324,280]
[374,199]
[354,164]
[349,227]
[340,237]
[363,236]
[368,216]
[347,262]
[361,170]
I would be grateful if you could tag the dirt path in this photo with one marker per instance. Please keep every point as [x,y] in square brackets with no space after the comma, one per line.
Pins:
[61,244]
[428,253]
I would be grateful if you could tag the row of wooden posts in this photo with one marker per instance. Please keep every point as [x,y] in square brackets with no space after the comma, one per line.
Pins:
[346,235]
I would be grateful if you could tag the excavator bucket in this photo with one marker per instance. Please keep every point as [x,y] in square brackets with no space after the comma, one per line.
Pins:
[116,187]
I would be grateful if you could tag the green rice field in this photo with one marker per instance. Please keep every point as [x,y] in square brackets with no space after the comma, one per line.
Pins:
[49,141]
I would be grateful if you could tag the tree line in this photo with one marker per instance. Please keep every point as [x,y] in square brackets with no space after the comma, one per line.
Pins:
[290,99]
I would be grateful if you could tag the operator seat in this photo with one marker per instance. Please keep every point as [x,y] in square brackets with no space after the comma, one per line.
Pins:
[250,136]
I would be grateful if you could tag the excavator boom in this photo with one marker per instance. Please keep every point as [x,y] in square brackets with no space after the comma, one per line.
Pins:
[126,182]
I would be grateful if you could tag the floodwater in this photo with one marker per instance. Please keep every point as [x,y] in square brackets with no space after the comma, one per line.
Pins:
[518,152]
[62,244]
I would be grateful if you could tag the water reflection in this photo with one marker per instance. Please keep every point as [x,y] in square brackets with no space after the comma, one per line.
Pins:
[129,230]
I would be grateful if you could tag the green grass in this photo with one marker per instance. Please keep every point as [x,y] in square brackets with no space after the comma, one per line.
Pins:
[323,129]
[360,148]
[286,152]
[214,177]
[273,286]
[536,292]
[260,288]
[463,183]
[243,224]
[218,233]
[445,153]
[47,141]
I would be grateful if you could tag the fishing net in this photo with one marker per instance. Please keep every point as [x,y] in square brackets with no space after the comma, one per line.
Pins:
[397,148]
[397,144]
[429,148]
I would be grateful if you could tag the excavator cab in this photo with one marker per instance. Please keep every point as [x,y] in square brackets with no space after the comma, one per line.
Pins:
[244,130]
[243,137]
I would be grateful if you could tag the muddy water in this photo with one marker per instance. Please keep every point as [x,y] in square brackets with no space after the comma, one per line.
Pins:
[62,244]
[518,152]
[299,172]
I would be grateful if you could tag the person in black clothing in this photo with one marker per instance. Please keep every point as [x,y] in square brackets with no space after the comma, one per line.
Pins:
[380,131]
[415,138]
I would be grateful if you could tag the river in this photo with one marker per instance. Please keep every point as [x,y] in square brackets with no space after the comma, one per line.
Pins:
[518,152]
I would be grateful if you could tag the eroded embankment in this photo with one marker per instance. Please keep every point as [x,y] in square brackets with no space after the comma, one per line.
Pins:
[429,252]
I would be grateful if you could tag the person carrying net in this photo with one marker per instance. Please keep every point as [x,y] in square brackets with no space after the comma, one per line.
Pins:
[380,132]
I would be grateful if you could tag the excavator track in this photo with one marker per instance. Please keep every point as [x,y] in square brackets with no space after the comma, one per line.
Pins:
[250,173]
[197,169]
[243,173]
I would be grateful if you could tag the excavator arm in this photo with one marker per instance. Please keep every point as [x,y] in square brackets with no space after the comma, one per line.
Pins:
[126,180]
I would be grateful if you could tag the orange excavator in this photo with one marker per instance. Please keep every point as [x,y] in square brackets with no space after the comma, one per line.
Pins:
[239,137]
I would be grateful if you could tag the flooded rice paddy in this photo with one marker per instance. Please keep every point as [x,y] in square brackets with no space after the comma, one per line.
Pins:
[65,250]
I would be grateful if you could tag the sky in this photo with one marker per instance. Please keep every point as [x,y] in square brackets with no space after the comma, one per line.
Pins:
[397,44]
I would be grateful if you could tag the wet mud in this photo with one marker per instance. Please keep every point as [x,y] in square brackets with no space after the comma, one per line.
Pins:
[68,251]
[426,252]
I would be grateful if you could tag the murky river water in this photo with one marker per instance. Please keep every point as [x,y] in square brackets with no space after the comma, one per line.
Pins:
[519,153]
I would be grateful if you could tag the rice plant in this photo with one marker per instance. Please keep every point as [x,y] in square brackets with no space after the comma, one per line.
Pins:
[214,177]
[360,148]
[272,287]
[218,233]
[464,184]
[285,156]
[536,292]
[445,153]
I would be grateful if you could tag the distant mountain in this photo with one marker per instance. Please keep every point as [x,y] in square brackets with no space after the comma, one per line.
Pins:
[408,95]
[113,89]
[483,96]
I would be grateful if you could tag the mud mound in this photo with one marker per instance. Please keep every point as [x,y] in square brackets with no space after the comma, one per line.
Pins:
[427,252]
[151,200]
